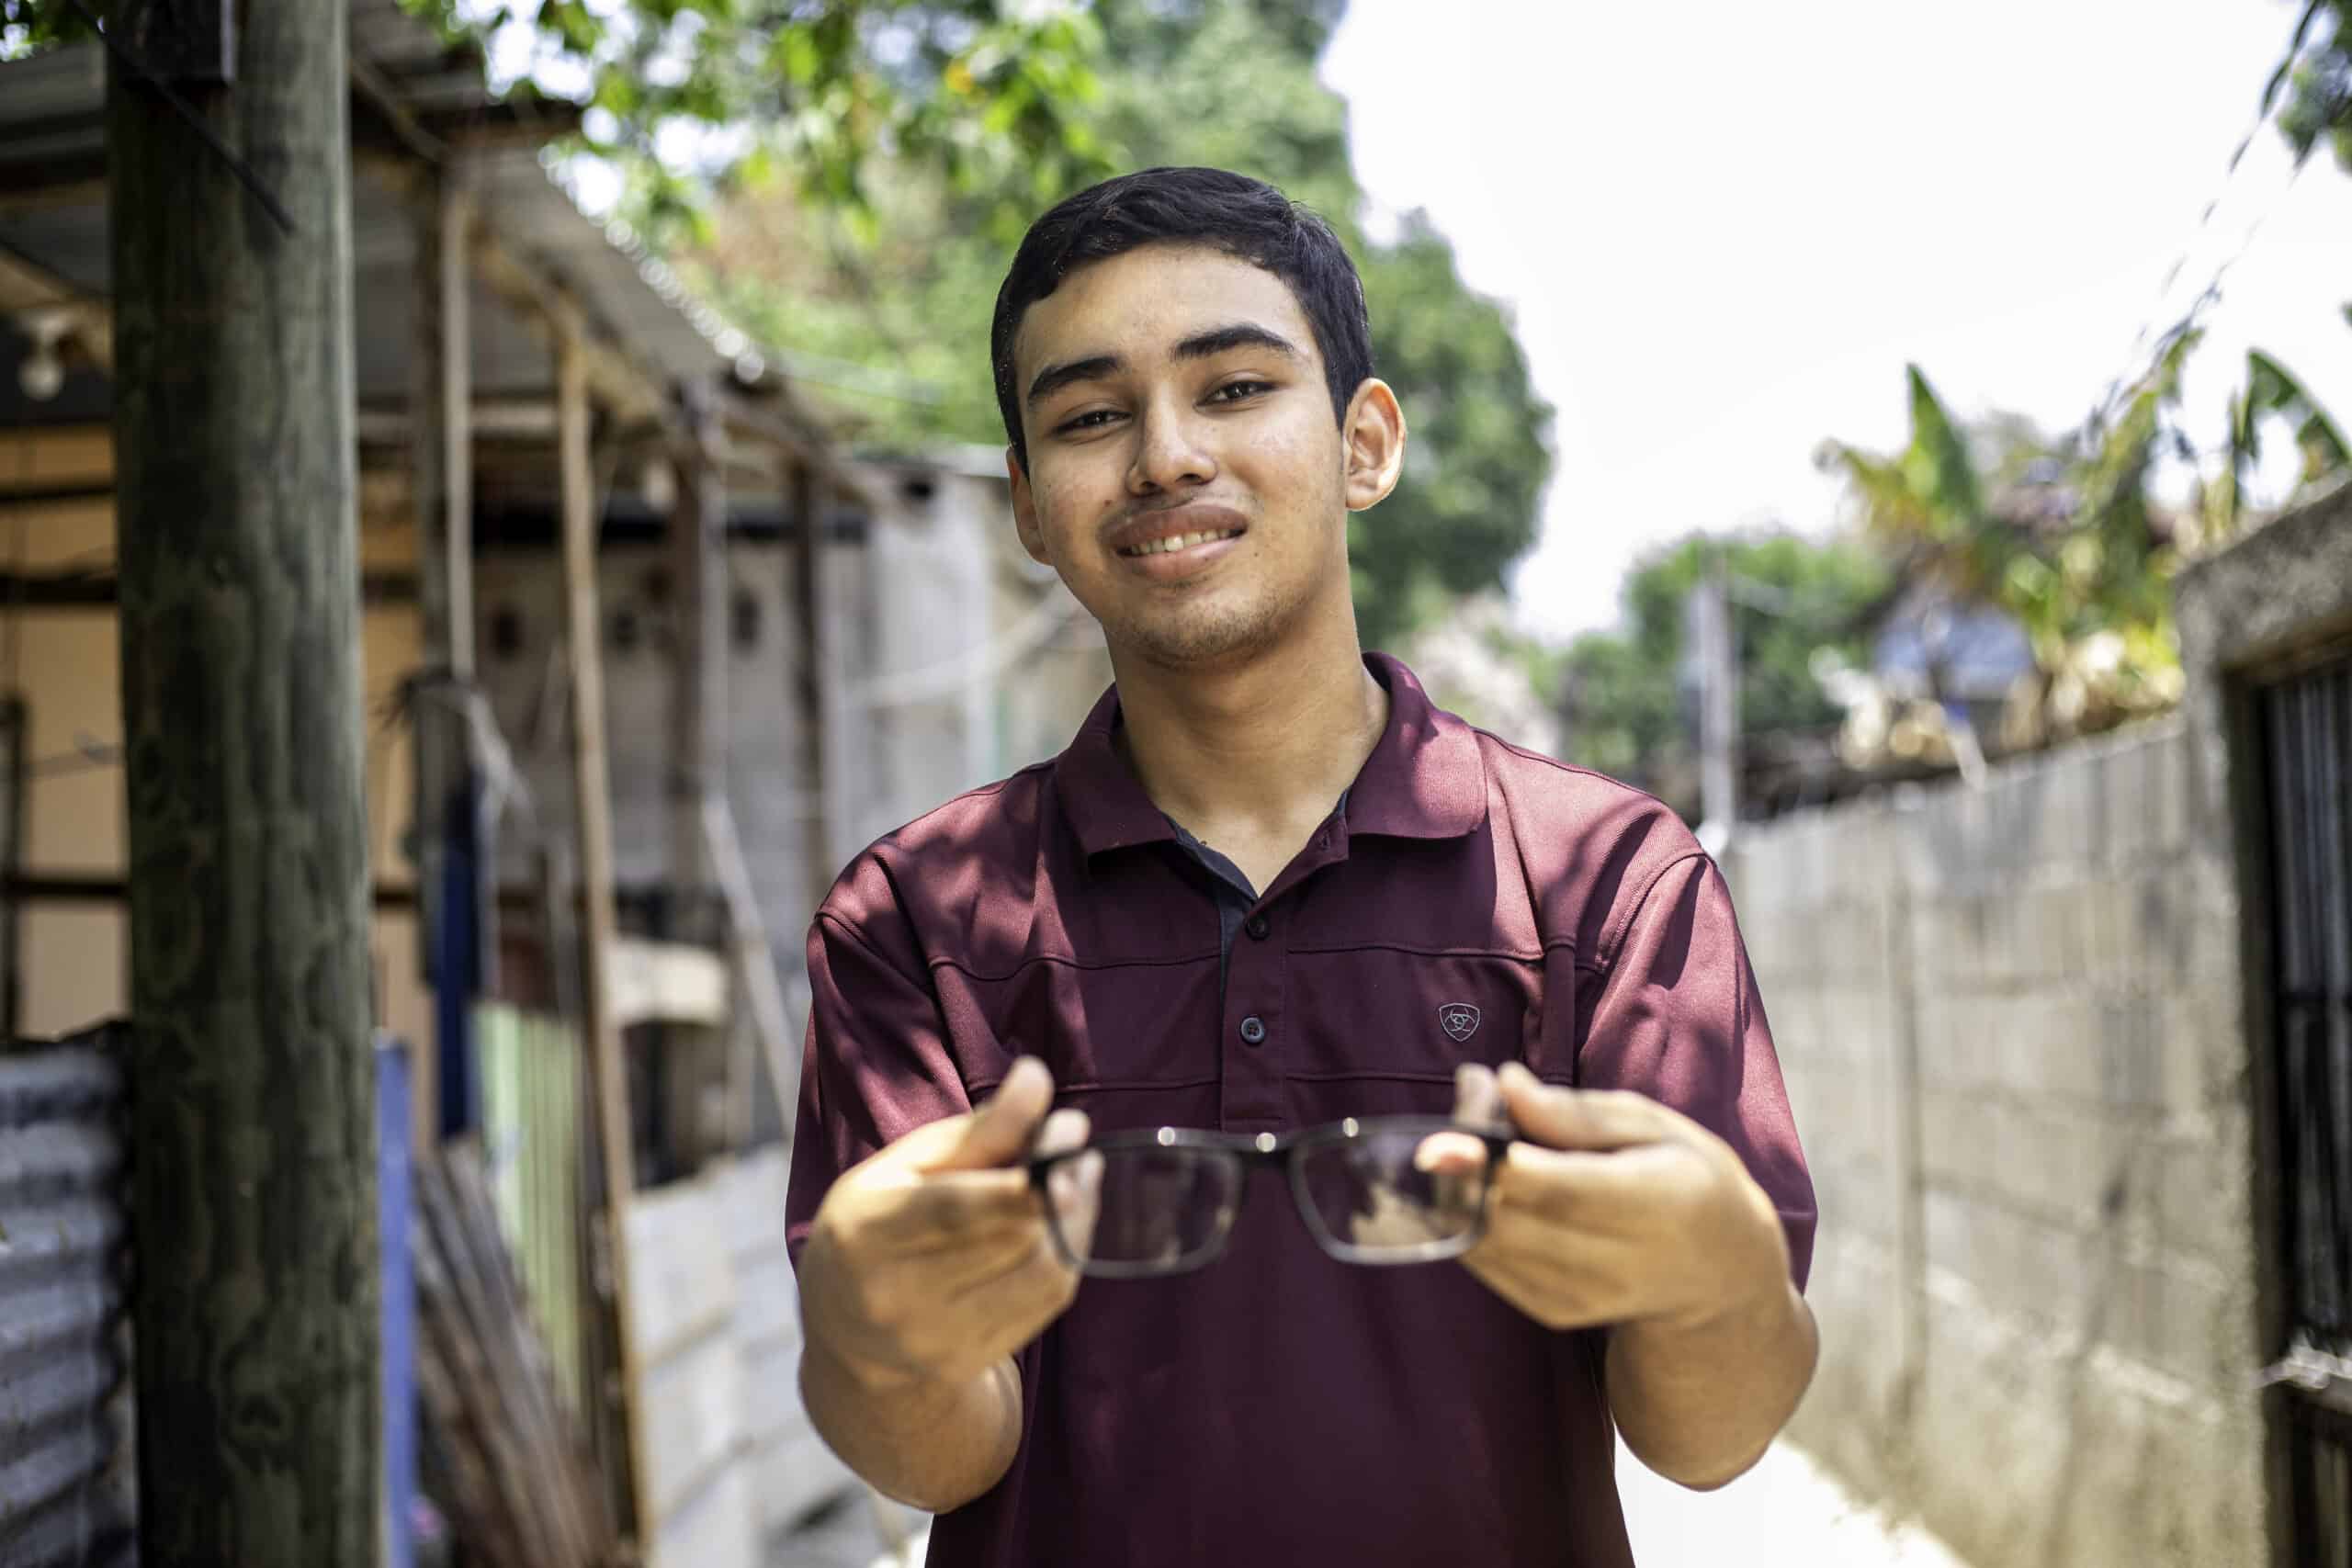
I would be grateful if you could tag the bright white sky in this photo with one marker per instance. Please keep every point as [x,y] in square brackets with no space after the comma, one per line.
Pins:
[1725,226]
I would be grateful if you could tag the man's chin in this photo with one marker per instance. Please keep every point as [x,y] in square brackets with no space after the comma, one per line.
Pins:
[1197,643]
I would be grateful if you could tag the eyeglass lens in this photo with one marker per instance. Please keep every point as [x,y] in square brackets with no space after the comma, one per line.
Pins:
[1404,1193]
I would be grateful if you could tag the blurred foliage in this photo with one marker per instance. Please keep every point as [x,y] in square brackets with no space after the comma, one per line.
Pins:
[1621,691]
[2061,533]
[2271,391]
[697,95]
[27,27]
[2312,89]
[893,317]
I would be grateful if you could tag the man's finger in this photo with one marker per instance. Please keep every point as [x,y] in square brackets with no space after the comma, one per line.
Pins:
[1598,1190]
[1064,1129]
[952,1204]
[1000,1131]
[1010,1308]
[1475,1097]
[1581,1118]
[952,1270]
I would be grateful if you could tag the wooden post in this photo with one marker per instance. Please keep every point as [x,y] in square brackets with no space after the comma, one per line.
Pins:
[698,572]
[823,710]
[460,918]
[609,1071]
[256,1290]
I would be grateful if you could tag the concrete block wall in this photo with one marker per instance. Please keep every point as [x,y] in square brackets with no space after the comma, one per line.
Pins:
[2008,1021]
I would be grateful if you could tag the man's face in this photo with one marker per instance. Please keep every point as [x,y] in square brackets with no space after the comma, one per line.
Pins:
[1186,475]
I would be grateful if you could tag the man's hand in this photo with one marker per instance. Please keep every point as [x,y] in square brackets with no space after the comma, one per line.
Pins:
[1614,1209]
[930,1261]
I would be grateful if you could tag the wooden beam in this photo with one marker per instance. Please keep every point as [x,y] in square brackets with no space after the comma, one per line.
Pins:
[441,488]
[593,826]
[816,742]
[755,959]
[626,391]
[623,390]
[804,445]
[370,86]
[102,590]
[699,622]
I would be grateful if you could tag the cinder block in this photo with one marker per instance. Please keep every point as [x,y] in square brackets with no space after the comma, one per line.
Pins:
[2178,1318]
[2202,1059]
[2050,1045]
[1959,1044]
[2128,805]
[2202,1206]
[2132,1052]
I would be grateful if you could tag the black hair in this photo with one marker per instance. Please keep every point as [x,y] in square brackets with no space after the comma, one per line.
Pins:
[1246,218]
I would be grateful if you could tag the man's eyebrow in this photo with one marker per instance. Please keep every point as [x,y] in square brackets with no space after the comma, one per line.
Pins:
[1054,377]
[1200,345]
[1241,334]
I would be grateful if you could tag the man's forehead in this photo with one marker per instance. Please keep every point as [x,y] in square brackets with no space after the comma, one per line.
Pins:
[1147,300]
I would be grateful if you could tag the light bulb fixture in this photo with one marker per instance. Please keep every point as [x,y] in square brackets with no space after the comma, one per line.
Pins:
[41,374]
[658,482]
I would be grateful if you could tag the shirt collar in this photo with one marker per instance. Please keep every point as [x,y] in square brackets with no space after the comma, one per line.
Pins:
[1425,778]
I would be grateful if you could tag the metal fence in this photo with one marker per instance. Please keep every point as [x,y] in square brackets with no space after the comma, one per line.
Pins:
[67,1477]
[2307,740]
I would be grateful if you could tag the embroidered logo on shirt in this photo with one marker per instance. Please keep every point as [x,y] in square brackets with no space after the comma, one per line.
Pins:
[1459,1020]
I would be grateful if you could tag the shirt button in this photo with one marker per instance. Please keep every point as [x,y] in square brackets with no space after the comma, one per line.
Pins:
[1253,1030]
[1256,927]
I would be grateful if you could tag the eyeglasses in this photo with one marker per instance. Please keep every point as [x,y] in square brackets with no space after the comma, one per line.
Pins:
[1382,1190]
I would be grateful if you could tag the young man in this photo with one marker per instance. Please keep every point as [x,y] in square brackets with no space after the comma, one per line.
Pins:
[1172,925]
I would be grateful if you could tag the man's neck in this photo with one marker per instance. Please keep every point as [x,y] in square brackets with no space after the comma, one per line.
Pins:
[1259,748]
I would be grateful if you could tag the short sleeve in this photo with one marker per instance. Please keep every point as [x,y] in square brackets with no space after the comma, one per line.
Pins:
[875,1064]
[1674,1014]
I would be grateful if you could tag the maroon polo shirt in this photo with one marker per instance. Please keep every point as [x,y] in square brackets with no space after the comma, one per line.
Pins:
[1279,1407]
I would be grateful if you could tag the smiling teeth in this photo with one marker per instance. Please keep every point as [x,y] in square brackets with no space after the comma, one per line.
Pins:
[1179,542]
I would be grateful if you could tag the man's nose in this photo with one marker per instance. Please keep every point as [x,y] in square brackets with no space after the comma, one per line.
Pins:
[1171,452]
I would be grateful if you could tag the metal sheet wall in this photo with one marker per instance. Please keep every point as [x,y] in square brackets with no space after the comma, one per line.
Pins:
[66,1469]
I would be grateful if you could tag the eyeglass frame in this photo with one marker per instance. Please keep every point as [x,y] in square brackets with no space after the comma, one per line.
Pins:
[1258,1150]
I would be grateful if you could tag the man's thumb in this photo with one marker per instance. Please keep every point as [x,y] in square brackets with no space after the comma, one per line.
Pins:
[1001,1129]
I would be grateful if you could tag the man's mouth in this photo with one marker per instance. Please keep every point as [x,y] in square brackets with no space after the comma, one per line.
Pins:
[1179,542]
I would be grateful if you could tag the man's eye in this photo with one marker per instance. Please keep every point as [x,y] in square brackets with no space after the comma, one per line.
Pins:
[1235,391]
[1093,421]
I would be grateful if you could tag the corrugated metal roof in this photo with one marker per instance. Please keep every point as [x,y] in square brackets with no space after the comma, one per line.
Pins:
[51,108]
[65,1466]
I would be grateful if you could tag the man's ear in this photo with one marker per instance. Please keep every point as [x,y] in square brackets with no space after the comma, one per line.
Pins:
[1025,509]
[1374,439]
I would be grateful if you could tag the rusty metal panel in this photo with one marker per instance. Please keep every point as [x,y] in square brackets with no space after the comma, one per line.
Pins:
[66,1466]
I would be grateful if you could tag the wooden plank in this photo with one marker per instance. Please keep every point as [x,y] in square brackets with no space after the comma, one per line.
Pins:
[521,1480]
[667,982]
[755,960]
[686,1282]
[548,1440]
[755,1185]
[771,1388]
[442,1382]
[717,1528]
[763,1292]
[795,1475]
[477,1421]
[694,1420]
[591,794]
